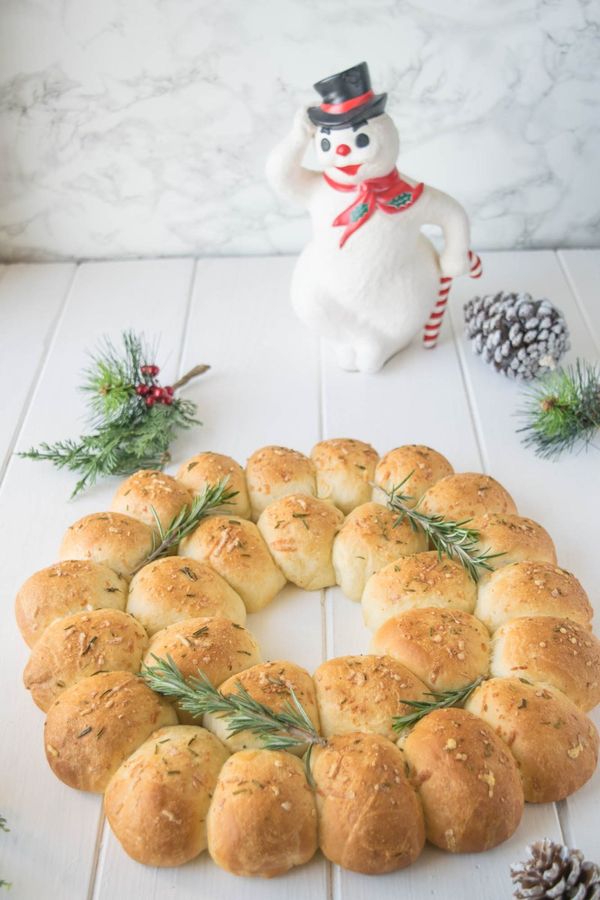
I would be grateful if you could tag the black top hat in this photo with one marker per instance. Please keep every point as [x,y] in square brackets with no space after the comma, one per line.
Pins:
[347,97]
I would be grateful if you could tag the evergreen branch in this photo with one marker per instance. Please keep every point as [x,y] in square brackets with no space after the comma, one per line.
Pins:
[287,729]
[441,700]
[212,497]
[448,537]
[562,410]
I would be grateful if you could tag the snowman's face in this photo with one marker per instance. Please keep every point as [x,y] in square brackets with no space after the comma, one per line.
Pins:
[366,150]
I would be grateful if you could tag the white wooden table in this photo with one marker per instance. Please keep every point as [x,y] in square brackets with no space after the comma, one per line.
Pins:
[270,382]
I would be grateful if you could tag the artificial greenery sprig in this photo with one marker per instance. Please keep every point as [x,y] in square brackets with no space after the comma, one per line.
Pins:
[286,729]
[440,700]
[454,539]
[562,410]
[133,418]
[212,497]
[4,827]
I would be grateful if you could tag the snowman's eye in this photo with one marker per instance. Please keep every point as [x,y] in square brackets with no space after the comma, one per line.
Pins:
[362,140]
[325,144]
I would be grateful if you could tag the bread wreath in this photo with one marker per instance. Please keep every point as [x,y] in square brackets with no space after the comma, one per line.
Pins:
[459,777]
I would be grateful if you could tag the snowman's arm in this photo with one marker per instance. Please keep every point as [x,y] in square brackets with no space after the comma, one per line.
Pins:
[440,209]
[284,170]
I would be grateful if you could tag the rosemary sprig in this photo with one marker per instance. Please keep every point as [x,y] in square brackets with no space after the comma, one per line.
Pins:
[562,409]
[448,537]
[290,727]
[441,700]
[213,496]
[132,419]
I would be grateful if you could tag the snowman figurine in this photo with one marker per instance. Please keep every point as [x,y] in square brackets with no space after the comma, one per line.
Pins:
[368,279]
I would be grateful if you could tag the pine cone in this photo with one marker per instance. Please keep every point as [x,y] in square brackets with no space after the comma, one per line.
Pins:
[554,871]
[518,335]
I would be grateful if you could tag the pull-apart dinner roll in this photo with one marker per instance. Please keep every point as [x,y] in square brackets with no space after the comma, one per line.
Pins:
[63,589]
[207,468]
[467,780]
[465,495]
[176,588]
[531,589]
[558,652]
[97,723]
[515,538]
[262,819]
[345,470]
[157,801]
[217,647]
[367,541]
[414,582]
[269,684]
[364,693]
[554,743]
[299,532]
[275,472]
[118,541]
[236,550]
[370,818]
[424,466]
[150,489]
[447,649]
[103,640]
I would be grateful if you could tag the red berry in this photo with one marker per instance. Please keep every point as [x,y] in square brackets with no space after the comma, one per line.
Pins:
[167,399]
[150,401]
[169,390]
[146,370]
[157,392]
[142,389]
[154,370]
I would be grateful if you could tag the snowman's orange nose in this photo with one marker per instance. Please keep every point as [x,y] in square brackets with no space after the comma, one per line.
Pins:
[343,149]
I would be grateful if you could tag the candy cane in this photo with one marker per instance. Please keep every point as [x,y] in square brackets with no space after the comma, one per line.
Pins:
[434,323]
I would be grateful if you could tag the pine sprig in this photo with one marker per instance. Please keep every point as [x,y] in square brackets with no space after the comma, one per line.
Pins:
[129,431]
[452,539]
[287,729]
[4,827]
[212,497]
[440,700]
[562,410]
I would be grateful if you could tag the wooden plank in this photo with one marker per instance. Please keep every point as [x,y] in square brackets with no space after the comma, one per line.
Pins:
[31,298]
[582,270]
[418,398]
[50,850]
[262,389]
[563,495]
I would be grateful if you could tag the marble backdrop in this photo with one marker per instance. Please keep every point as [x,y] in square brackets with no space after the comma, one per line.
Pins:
[140,127]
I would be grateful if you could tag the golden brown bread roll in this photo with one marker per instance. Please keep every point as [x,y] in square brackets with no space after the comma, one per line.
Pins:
[531,589]
[414,582]
[176,588]
[467,780]
[554,743]
[217,647]
[299,532]
[515,538]
[345,470]
[118,541]
[447,649]
[366,542]
[65,588]
[156,803]
[207,468]
[547,649]
[236,550]
[364,693]
[147,489]
[262,819]
[370,818]
[465,495]
[419,465]
[274,472]
[97,723]
[268,683]
[103,640]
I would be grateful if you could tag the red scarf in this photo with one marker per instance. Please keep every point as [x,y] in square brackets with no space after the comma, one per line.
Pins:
[389,193]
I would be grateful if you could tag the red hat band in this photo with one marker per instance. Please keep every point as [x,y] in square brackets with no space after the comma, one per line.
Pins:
[347,105]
